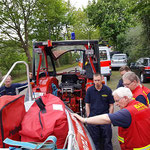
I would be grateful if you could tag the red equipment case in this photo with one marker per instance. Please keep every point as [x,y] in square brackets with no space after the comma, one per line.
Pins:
[12,111]
[45,117]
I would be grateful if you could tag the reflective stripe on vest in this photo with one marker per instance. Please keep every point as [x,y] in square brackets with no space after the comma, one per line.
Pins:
[143,148]
[121,139]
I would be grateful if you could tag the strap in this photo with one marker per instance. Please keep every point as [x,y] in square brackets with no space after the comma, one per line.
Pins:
[32,145]
[52,145]
[40,104]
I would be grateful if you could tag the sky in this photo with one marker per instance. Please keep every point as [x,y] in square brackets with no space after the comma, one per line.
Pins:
[79,3]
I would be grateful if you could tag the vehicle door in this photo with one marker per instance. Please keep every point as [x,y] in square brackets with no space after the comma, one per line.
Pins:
[105,62]
[138,66]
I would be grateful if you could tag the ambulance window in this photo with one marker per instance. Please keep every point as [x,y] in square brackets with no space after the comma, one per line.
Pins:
[103,55]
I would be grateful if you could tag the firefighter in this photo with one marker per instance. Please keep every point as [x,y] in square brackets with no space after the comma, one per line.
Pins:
[133,120]
[131,81]
[99,100]
[146,91]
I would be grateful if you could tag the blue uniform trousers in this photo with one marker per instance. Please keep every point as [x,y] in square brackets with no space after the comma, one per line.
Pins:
[101,135]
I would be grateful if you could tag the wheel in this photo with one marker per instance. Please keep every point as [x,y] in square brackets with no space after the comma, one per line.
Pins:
[142,78]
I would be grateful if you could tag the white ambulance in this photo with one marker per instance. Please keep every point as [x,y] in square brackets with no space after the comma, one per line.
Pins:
[105,61]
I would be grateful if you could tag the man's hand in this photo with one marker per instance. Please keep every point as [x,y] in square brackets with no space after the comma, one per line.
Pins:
[79,117]
[99,119]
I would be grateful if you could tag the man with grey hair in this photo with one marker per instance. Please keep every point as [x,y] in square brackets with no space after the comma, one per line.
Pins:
[131,81]
[133,120]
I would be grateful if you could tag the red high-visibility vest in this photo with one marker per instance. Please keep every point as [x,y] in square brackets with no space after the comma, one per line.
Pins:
[146,91]
[139,91]
[137,135]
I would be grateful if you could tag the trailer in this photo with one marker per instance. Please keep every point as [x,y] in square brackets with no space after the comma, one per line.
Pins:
[71,88]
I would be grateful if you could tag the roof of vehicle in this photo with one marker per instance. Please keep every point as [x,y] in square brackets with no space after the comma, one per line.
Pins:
[58,48]
[104,48]
[67,42]
[120,54]
[145,57]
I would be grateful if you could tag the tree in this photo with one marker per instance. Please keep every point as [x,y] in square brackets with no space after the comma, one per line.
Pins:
[16,18]
[134,43]
[21,21]
[49,19]
[136,40]
[82,26]
[9,55]
[69,20]
[111,17]
[142,11]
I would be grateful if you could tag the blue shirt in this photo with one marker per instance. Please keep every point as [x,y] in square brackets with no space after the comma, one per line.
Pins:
[148,95]
[99,100]
[141,99]
[121,118]
[12,89]
[120,83]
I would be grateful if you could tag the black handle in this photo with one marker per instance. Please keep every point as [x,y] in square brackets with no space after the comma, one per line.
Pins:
[40,104]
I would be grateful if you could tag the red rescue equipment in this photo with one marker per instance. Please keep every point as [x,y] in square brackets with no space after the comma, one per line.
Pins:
[45,117]
[137,135]
[12,111]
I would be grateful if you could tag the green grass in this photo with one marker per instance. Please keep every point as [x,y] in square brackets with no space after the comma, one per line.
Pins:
[115,77]
[20,79]
[147,85]
[66,66]
[23,77]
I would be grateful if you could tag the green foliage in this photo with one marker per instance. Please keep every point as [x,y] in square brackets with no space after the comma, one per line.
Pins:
[142,11]
[82,28]
[68,58]
[111,17]
[9,55]
[135,43]
[16,19]
[121,40]
[49,19]
[64,59]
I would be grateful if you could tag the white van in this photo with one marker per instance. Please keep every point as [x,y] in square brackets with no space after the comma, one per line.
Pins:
[118,60]
[105,61]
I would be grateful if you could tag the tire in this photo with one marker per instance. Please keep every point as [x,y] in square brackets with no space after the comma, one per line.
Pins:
[142,78]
